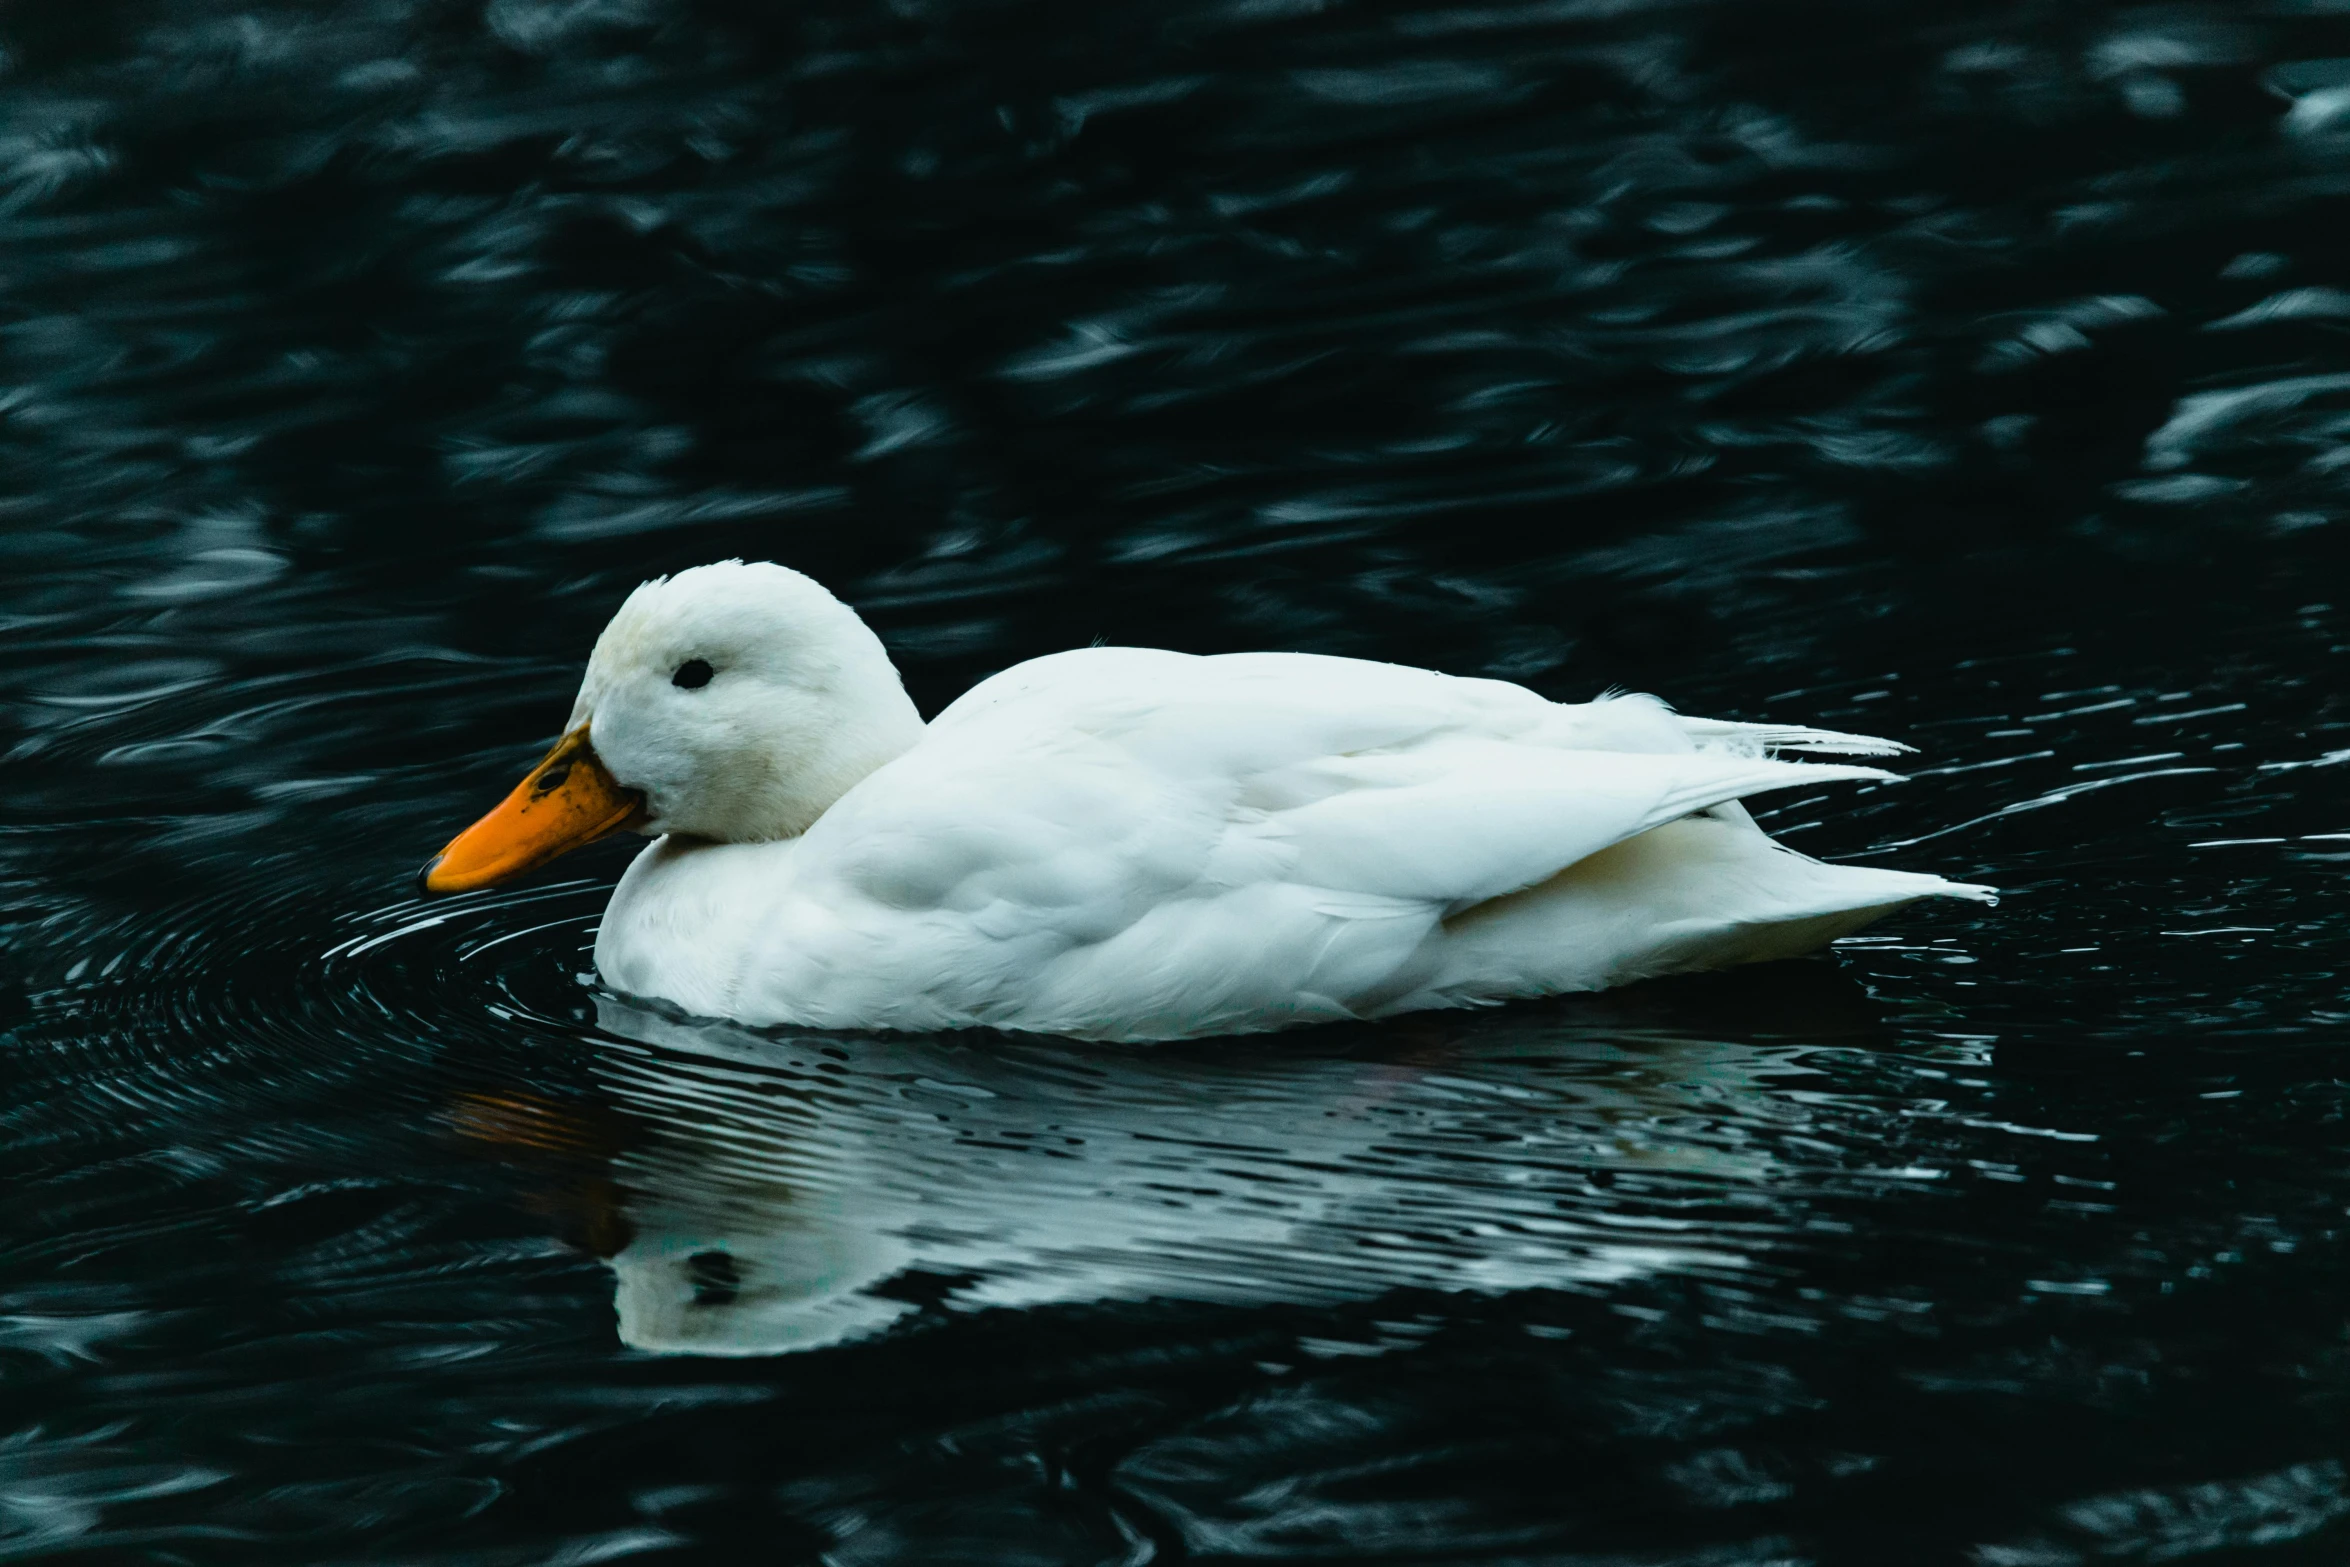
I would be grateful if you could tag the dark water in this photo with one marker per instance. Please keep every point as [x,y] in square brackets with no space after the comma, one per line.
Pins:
[1973,374]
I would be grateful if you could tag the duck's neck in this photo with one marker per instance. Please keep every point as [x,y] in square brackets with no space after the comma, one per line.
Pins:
[881,725]
[839,727]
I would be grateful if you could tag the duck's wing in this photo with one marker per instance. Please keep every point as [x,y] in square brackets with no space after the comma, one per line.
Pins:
[1304,702]
[1454,821]
[1342,774]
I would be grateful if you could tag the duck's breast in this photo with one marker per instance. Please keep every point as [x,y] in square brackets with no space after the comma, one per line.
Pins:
[684,921]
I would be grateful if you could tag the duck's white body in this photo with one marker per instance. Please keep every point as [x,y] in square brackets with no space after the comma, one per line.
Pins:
[1121,843]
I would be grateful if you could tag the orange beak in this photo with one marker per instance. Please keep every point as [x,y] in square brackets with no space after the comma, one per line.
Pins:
[567,800]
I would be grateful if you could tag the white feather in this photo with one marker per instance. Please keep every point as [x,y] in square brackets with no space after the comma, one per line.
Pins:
[1727,733]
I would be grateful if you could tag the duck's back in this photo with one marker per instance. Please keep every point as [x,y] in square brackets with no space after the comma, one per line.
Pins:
[1128,843]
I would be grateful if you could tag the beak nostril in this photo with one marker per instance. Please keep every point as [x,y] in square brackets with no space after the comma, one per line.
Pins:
[552,779]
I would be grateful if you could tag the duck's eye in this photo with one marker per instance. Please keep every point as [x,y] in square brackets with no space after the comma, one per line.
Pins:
[693,674]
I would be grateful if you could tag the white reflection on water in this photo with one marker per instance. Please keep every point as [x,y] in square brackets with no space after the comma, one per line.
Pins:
[778,1193]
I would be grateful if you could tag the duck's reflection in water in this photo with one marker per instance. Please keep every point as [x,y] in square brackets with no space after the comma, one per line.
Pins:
[763,1193]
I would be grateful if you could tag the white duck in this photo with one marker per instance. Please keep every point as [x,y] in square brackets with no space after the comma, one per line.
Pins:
[1124,843]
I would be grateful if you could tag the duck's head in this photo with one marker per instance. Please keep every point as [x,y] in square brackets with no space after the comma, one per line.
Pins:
[732,702]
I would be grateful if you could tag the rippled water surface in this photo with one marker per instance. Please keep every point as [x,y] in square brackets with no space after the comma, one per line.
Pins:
[1973,374]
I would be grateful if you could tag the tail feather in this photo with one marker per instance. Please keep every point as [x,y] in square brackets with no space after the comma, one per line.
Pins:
[1705,785]
[1729,735]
